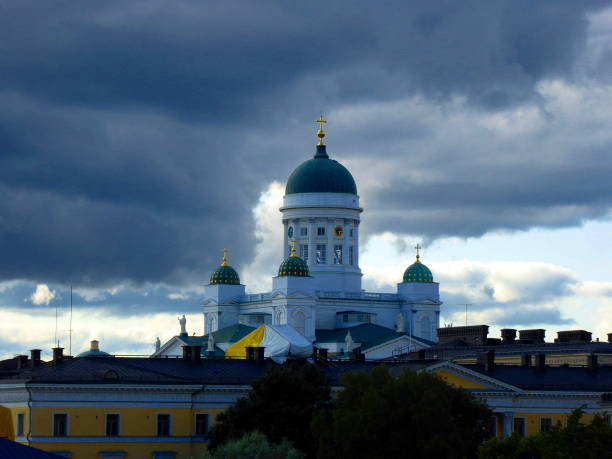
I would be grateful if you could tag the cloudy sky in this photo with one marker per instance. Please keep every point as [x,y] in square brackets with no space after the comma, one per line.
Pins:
[138,139]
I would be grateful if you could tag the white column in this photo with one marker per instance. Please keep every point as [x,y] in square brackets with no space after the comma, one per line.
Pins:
[508,421]
[345,244]
[330,240]
[285,239]
[356,242]
[312,250]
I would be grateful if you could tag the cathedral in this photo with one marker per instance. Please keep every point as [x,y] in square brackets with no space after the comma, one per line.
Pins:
[317,291]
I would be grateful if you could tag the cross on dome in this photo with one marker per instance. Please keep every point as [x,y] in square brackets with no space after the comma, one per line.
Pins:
[321,132]
[418,256]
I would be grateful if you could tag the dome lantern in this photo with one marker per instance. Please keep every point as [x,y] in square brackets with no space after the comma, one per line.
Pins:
[293,266]
[225,274]
[418,272]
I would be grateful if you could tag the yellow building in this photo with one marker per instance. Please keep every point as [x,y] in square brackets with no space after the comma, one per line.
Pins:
[110,407]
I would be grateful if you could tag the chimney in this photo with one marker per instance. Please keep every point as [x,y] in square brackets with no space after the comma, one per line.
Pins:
[250,353]
[609,337]
[22,361]
[508,335]
[187,352]
[357,355]
[489,360]
[196,353]
[34,357]
[540,361]
[592,362]
[535,336]
[525,360]
[58,355]
[259,353]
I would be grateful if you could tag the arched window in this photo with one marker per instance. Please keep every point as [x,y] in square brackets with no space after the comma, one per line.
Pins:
[426,328]
[299,322]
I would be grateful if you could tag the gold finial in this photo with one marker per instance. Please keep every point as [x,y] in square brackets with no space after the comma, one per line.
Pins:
[293,251]
[418,247]
[224,258]
[321,132]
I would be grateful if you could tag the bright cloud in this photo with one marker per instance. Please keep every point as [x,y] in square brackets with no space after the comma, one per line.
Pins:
[42,295]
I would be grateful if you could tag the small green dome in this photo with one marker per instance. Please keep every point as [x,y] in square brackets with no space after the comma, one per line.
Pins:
[94,351]
[225,274]
[418,272]
[293,266]
[321,175]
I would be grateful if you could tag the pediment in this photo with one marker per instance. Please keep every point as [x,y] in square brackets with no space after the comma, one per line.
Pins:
[467,379]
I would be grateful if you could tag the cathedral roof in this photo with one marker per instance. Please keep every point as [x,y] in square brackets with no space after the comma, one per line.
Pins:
[225,274]
[321,175]
[418,272]
[294,266]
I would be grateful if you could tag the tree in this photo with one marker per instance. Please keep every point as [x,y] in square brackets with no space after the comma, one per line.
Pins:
[255,445]
[280,405]
[577,440]
[415,415]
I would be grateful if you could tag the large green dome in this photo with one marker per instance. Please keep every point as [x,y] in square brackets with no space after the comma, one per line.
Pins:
[225,274]
[293,266]
[418,272]
[321,175]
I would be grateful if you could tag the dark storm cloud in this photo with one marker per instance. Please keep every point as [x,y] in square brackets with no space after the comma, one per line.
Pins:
[135,138]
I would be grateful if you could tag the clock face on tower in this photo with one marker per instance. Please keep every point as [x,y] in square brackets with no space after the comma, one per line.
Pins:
[338,231]
[290,231]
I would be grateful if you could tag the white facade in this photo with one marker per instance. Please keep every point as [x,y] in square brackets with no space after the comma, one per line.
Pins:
[325,229]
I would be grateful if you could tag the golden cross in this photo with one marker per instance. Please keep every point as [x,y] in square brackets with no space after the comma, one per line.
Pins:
[321,132]
[418,247]
[293,250]
[224,258]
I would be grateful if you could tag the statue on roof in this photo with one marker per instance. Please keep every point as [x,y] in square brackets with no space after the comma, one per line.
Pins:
[157,344]
[183,323]
[400,323]
[349,342]
[211,343]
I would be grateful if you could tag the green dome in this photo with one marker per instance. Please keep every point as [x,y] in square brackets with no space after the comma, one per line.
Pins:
[225,274]
[94,351]
[418,272]
[293,266]
[321,175]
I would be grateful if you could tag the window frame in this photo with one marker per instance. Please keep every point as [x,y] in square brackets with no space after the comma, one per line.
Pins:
[549,426]
[323,253]
[303,231]
[321,231]
[118,434]
[169,434]
[523,434]
[304,252]
[19,424]
[66,426]
[195,424]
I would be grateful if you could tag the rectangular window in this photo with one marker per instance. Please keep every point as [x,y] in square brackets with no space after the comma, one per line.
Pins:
[60,425]
[112,425]
[303,231]
[337,254]
[321,254]
[201,423]
[19,429]
[545,424]
[493,426]
[519,426]
[304,252]
[321,231]
[163,425]
[351,255]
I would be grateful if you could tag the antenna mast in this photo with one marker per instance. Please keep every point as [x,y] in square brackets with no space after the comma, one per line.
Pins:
[70,329]
[466,311]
